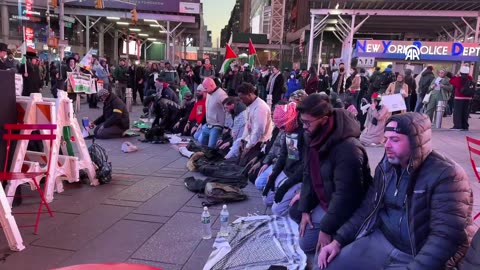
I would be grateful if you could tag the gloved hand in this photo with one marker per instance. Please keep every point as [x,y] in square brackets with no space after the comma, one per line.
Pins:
[280,192]
[270,186]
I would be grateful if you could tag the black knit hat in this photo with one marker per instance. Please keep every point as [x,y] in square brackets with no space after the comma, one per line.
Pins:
[3,47]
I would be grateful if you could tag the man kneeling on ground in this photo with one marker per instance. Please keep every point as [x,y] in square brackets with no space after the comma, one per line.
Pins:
[286,177]
[114,120]
[417,213]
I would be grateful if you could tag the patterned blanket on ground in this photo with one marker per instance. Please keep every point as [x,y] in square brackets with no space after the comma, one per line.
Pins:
[257,242]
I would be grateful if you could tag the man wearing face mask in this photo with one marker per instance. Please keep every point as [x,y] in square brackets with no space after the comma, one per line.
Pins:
[293,84]
[339,78]
[114,120]
[336,172]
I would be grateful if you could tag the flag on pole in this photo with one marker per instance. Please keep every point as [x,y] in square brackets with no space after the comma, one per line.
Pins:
[230,56]
[230,39]
[86,61]
[251,54]
[24,52]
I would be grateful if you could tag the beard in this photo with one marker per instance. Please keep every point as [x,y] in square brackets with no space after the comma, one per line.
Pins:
[394,160]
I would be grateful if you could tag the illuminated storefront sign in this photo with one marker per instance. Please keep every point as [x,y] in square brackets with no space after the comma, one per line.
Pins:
[29,35]
[28,7]
[418,50]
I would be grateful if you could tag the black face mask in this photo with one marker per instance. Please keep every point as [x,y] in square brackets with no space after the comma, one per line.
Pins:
[199,97]
[342,69]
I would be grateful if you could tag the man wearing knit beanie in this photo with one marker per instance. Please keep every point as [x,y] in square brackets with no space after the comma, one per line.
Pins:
[115,119]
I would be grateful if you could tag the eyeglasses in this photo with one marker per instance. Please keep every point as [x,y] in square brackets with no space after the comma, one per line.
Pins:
[308,124]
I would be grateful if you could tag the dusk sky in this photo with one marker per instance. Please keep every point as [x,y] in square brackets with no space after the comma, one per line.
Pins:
[216,15]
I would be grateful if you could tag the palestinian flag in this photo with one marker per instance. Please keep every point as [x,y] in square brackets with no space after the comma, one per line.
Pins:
[230,56]
[251,54]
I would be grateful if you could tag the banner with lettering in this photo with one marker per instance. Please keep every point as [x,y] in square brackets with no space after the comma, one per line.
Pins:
[417,50]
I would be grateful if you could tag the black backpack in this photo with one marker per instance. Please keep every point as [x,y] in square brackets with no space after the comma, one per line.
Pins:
[386,79]
[468,89]
[377,81]
[100,159]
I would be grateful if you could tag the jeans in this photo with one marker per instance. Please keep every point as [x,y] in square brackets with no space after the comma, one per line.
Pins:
[281,178]
[370,252]
[198,135]
[120,89]
[210,135]
[262,178]
[419,105]
[308,242]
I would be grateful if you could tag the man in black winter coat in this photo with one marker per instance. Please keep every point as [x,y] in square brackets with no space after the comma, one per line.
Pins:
[114,120]
[417,213]
[336,173]
[423,87]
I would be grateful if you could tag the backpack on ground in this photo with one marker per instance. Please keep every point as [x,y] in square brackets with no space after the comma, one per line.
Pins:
[468,89]
[218,193]
[100,159]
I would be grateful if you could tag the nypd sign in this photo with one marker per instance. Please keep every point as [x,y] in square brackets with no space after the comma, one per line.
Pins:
[417,50]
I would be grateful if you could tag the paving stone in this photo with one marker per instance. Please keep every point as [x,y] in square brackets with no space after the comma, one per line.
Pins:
[78,232]
[200,255]
[147,218]
[199,210]
[126,179]
[132,204]
[164,266]
[166,202]
[143,190]
[181,234]
[196,201]
[149,166]
[84,198]
[251,206]
[46,225]
[38,258]
[109,247]
[180,163]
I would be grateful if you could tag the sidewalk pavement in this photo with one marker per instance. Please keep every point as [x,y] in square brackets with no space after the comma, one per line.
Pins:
[146,215]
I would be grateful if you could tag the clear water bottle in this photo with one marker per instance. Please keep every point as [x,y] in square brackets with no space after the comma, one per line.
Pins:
[224,221]
[206,225]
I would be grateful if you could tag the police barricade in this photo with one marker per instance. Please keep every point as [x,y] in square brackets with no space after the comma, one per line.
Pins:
[65,166]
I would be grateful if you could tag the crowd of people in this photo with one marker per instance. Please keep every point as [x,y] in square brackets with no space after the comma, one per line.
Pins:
[306,154]
[309,161]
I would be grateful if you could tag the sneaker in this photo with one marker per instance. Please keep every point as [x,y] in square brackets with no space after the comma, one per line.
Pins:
[184,152]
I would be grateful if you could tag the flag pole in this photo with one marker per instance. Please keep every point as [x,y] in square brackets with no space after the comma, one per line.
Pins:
[25,50]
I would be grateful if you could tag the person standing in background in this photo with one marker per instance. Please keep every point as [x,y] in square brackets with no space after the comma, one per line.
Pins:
[461,107]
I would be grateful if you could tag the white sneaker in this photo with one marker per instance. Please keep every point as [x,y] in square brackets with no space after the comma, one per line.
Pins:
[184,152]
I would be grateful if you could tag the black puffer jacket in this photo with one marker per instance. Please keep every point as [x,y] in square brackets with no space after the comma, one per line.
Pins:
[439,203]
[344,171]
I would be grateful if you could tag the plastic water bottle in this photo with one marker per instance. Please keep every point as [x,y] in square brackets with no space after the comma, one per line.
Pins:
[206,225]
[224,221]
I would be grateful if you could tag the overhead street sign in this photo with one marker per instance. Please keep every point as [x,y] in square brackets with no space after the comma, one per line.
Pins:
[69,19]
